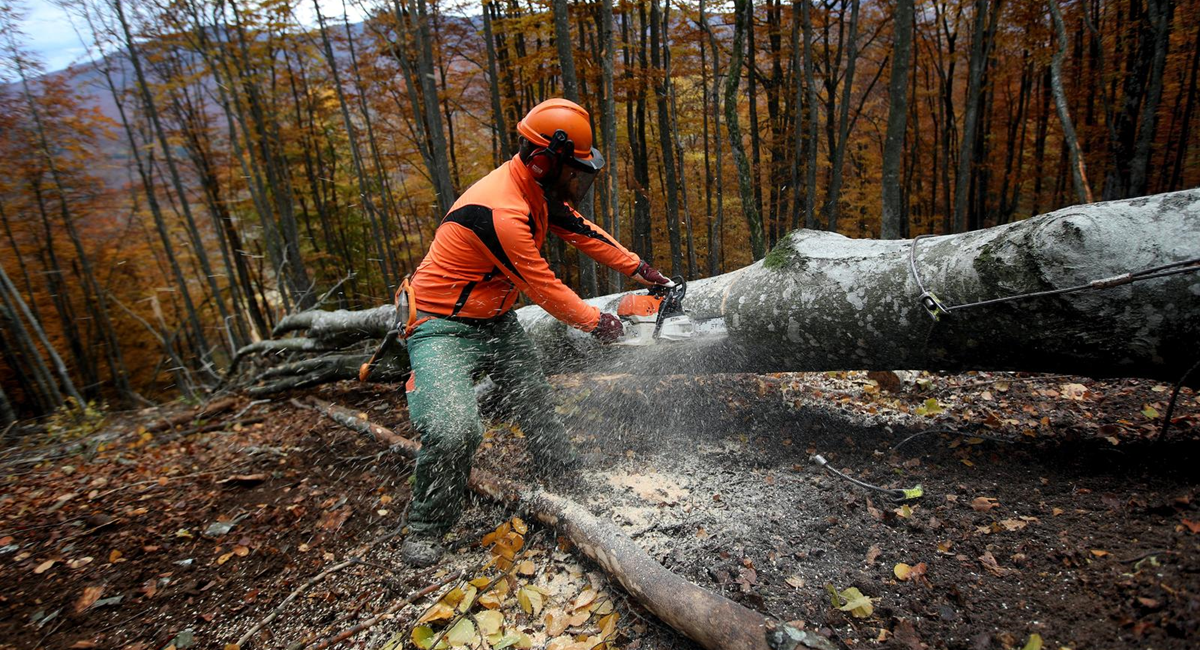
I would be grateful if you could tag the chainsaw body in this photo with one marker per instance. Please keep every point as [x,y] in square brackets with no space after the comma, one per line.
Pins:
[655,316]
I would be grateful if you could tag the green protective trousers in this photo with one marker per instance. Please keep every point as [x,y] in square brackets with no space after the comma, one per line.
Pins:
[445,356]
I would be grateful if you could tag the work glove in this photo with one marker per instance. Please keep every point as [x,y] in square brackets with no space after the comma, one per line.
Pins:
[647,274]
[609,329]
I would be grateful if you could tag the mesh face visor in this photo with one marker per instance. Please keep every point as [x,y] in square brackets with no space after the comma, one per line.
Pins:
[578,175]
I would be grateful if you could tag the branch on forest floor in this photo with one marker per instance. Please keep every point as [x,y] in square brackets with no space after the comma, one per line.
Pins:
[709,619]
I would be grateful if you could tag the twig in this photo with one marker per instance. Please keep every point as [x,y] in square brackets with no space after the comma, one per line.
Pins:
[1174,396]
[392,609]
[962,434]
[280,607]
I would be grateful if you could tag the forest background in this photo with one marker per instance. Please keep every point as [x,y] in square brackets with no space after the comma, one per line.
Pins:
[212,166]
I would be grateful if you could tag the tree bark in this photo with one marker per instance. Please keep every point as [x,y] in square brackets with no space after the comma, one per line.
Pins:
[966,157]
[666,145]
[893,147]
[821,301]
[1083,190]
[608,129]
[711,620]
[758,246]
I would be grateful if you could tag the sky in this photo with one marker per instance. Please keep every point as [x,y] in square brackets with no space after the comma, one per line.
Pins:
[49,33]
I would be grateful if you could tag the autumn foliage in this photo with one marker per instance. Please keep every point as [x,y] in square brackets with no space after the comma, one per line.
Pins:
[211,167]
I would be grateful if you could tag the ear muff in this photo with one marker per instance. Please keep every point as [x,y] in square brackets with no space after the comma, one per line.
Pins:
[545,163]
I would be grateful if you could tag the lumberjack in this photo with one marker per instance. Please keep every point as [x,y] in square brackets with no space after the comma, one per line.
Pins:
[460,311]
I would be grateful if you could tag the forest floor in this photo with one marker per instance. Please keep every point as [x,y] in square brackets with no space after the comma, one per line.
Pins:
[1053,512]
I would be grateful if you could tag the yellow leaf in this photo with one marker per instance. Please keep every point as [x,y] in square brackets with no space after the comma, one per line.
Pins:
[856,603]
[556,623]
[526,568]
[422,637]
[224,558]
[44,566]
[608,625]
[439,612]
[902,571]
[1098,553]
[585,598]
[489,622]
[453,597]
[114,556]
[468,598]
[904,512]
[519,525]
[463,633]
[1034,643]
[530,600]
[480,582]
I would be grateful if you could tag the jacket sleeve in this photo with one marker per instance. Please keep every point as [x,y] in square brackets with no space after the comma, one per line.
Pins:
[521,261]
[591,239]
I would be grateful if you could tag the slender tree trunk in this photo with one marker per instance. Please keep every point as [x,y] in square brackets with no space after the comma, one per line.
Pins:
[608,129]
[754,222]
[1083,190]
[498,125]
[893,147]
[643,244]
[1181,152]
[966,156]
[838,155]
[810,83]
[657,44]
[715,227]
[14,303]
[1159,14]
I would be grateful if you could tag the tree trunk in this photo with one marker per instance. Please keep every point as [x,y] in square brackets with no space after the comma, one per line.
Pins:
[758,246]
[893,146]
[1159,14]
[821,301]
[667,147]
[608,129]
[966,155]
[810,172]
[1083,190]
[503,139]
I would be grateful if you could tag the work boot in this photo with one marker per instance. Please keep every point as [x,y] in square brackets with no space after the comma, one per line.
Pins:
[421,551]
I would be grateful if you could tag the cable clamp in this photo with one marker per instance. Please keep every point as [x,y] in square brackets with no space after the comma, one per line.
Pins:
[933,306]
[1114,281]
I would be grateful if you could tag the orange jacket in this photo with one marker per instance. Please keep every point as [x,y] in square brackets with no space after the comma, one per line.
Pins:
[488,248]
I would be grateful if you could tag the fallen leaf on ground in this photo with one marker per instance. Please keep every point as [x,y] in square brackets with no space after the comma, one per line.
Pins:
[44,566]
[989,562]
[983,504]
[1193,526]
[89,597]
[873,553]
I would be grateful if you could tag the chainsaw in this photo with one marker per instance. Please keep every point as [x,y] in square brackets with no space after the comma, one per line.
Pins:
[656,315]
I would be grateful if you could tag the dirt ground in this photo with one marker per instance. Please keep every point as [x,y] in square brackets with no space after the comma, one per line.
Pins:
[1052,507]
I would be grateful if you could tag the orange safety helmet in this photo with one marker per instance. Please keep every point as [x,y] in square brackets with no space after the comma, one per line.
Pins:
[542,124]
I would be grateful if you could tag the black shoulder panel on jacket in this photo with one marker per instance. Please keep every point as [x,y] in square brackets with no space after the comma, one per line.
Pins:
[478,219]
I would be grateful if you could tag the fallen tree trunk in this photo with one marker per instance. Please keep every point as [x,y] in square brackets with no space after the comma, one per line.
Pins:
[711,620]
[821,301]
